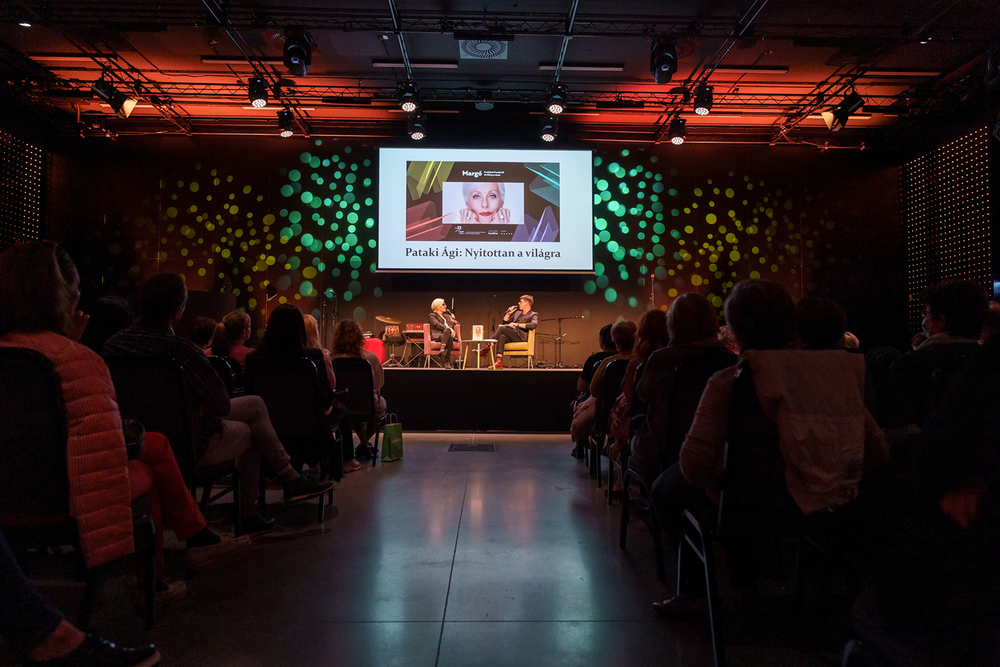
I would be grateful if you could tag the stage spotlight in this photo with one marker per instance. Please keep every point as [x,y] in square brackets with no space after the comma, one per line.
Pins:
[556,103]
[298,53]
[121,104]
[408,97]
[677,131]
[548,128]
[703,100]
[416,126]
[662,59]
[257,91]
[836,119]
[285,123]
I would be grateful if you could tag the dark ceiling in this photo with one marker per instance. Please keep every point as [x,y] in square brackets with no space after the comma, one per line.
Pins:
[774,67]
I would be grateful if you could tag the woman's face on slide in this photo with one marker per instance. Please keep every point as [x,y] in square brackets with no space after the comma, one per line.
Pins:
[484,200]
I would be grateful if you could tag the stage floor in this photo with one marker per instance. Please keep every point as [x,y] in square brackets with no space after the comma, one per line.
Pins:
[531,400]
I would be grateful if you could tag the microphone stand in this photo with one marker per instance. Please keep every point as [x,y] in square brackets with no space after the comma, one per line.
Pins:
[493,317]
[559,363]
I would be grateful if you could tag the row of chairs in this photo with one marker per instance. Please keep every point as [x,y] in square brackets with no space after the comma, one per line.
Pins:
[34,507]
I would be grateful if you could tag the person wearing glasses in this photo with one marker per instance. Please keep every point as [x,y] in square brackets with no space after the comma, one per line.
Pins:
[517,322]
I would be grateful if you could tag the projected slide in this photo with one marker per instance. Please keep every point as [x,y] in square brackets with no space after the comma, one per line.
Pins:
[485,210]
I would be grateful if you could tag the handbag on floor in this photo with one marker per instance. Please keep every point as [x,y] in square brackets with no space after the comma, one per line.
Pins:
[392,439]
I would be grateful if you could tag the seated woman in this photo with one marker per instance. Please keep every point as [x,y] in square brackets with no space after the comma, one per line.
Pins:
[39,287]
[623,335]
[767,417]
[348,341]
[694,333]
[650,335]
[517,322]
[230,337]
[483,204]
[286,336]
[442,331]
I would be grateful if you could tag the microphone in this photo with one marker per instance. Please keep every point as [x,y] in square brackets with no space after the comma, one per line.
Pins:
[512,309]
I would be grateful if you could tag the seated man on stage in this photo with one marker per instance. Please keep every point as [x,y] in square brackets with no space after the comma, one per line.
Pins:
[518,320]
[442,329]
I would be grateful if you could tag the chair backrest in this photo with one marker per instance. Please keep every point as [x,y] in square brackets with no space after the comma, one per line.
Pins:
[691,374]
[753,485]
[614,373]
[355,375]
[33,434]
[290,389]
[230,372]
[151,390]
[531,343]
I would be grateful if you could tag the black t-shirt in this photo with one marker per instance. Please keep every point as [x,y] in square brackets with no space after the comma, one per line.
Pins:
[590,366]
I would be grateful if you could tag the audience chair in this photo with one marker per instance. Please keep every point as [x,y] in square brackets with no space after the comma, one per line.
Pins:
[290,389]
[34,504]
[523,349]
[355,375]
[433,348]
[230,372]
[614,373]
[151,390]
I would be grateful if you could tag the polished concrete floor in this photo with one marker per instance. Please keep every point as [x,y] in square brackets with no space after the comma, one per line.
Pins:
[446,559]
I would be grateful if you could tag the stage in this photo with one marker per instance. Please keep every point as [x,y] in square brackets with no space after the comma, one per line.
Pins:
[513,399]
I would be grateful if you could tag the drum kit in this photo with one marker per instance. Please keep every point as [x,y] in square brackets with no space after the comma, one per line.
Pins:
[392,337]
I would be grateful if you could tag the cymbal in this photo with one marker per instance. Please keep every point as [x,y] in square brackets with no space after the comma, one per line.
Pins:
[388,320]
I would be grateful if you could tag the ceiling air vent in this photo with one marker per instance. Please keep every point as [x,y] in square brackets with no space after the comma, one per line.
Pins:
[482,49]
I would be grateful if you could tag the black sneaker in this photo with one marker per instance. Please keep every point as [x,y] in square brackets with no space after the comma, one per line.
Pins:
[363,452]
[303,488]
[95,651]
[255,524]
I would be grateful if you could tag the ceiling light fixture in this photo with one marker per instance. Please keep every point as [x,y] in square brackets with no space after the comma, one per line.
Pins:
[556,103]
[416,126]
[285,123]
[409,100]
[298,52]
[548,128]
[703,100]
[121,104]
[837,117]
[662,59]
[257,91]
[677,131]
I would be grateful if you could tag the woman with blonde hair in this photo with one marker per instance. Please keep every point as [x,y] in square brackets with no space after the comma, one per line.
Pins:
[230,337]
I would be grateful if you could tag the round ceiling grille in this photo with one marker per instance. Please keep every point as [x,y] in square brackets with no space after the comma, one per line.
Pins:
[483,48]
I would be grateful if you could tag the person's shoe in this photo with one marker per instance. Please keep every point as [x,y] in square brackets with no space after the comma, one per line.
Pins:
[681,605]
[197,557]
[363,451]
[169,591]
[351,466]
[96,651]
[498,364]
[303,488]
[255,524]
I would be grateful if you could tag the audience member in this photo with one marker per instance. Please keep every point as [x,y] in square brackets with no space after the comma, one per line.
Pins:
[651,334]
[348,341]
[339,412]
[108,316]
[693,326]
[820,324]
[224,429]
[953,320]
[623,335]
[39,286]
[202,332]
[35,630]
[593,361]
[230,337]
[991,324]
[791,464]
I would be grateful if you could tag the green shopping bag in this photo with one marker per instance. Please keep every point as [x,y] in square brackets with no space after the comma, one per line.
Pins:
[392,439]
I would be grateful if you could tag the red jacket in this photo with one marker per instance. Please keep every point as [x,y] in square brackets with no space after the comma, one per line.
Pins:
[99,495]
